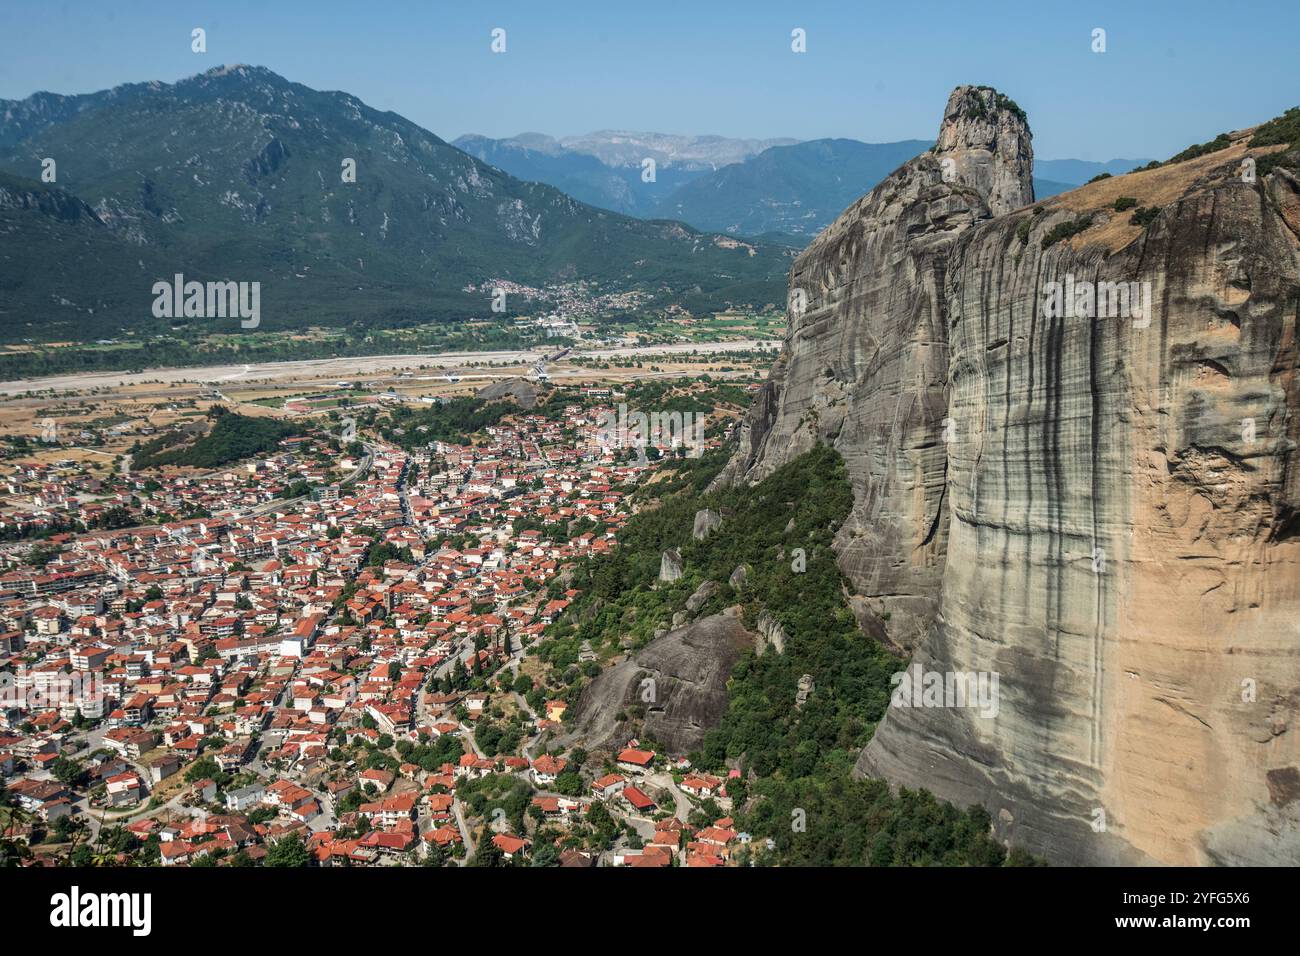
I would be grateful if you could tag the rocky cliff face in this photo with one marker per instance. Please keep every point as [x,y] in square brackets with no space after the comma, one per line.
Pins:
[865,363]
[674,688]
[1097,503]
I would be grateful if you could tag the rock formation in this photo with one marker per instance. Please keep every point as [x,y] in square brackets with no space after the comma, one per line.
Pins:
[670,565]
[518,390]
[706,522]
[674,689]
[1099,505]
[701,597]
[770,634]
[865,363]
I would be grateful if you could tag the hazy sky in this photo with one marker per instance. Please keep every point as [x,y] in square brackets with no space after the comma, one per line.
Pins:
[1173,72]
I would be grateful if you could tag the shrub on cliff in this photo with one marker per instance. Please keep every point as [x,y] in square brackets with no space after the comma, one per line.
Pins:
[1065,230]
[1144,215]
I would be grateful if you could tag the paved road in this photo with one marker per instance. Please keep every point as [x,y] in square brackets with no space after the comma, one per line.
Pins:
[466,837]
[682,804]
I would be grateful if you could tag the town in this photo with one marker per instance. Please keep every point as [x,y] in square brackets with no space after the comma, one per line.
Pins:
[326,654]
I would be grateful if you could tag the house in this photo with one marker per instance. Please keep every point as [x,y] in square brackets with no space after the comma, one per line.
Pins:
[390,841]
[230,757]
[700,785]
[716,839]
[444,836]
[390,812]
[548,806]
[636,761]
[124,789]
[546,768]
[204,791]
[509,844]
[175,852]
[555,710]
[440,805]
[608,785]
[652,856]
[338,789]
[702,858]
[381,780]
[637,797]
[286,795]
[244,797]
[129,741]
[162,767]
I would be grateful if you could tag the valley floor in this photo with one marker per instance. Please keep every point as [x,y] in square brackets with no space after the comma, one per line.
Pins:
[372,365]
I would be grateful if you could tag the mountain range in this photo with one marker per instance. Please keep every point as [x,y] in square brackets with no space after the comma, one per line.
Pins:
[784,187]
[239,174]
[606,168]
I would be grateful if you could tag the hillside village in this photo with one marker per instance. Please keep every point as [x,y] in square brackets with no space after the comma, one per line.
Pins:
[338,677]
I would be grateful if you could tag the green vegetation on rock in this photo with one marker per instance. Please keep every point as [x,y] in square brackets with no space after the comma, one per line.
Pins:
[791,758]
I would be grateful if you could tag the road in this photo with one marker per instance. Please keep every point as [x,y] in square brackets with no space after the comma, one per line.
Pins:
[466,837]
[682,804]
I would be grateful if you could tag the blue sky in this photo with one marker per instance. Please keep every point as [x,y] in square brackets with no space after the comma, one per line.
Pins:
[1173,72]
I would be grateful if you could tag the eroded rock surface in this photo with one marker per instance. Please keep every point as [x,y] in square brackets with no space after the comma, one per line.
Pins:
[670,565]
[686,693]
[865,362]
[701,597]
[706,522]
[1103,510]
[518,390]
[770,634]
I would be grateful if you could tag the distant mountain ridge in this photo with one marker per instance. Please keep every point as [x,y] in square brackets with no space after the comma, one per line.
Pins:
[746,187]
[584,176]
[792,189]
[621,147]
[236,174]
[607,168]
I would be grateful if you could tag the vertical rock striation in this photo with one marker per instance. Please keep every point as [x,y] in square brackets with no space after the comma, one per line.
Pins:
[865,362]
[1103,510]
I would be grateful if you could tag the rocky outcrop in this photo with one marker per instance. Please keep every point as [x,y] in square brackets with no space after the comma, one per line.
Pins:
[670,565]
[53,202]
[984,143]
[770,634]
[706,522]
[518,390]
[1122,548]
[673,690]
[869,621]
[865,362]
[1103,510]
[701,597]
